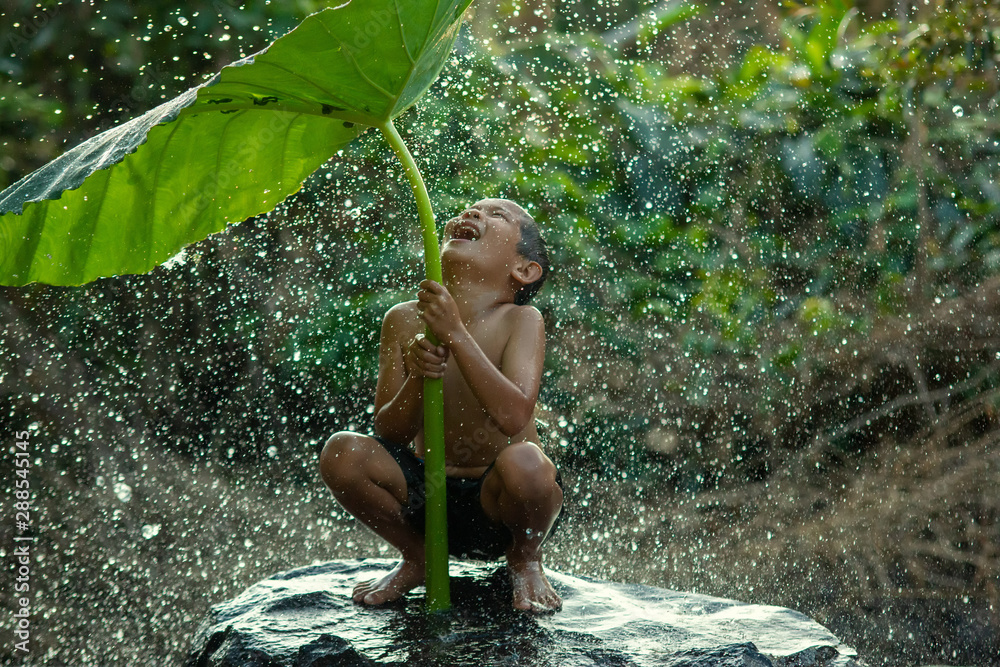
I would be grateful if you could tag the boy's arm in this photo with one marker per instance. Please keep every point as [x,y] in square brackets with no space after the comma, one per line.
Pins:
[400,388]
[508,393]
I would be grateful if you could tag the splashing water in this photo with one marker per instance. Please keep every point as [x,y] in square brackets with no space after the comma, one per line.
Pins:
[740,248]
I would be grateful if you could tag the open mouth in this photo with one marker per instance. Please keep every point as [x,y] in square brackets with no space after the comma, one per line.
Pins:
[465,231]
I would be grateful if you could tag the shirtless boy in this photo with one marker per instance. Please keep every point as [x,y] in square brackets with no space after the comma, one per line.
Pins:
[503,492]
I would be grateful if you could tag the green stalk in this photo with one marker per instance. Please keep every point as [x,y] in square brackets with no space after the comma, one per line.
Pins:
[436,535]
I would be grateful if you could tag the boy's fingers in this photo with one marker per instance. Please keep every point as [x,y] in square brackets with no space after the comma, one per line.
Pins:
[433,359]
[430,285]
[432,370]
[430,357]
[430,352]
[436,350]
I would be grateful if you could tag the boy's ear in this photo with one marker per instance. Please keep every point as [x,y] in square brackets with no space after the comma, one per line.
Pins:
[526,271]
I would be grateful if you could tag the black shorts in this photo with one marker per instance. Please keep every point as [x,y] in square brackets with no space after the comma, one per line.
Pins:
[471,534]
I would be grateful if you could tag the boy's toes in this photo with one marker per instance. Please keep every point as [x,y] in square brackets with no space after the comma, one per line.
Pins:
[406,576]
[529,606]
[542,605]
[548,602]
[532,590]
[362,589]
[380,597]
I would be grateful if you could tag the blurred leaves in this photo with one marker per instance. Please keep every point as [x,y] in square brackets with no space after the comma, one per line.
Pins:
[758,227]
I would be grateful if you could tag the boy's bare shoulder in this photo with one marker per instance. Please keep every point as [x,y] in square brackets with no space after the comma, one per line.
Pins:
[523,317]
[402,309]
[402,319]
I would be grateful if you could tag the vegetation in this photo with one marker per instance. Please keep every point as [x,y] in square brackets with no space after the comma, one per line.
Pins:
[773,318]
[130,198]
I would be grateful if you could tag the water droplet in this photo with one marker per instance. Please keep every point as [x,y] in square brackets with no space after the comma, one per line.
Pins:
[123,491]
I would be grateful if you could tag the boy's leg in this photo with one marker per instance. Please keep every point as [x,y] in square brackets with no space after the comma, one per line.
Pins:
[366,480]
[521,492]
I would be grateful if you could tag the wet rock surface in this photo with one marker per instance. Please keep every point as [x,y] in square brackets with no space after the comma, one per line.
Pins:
[305,618]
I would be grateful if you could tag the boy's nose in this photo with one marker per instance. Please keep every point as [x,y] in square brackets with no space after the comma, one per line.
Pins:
[471,213]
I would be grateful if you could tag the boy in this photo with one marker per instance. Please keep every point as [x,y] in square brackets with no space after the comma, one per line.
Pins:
[503,492]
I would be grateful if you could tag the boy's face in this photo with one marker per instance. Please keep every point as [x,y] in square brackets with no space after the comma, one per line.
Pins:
[486,234]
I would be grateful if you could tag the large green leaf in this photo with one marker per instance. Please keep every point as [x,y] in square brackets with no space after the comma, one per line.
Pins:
[130,198]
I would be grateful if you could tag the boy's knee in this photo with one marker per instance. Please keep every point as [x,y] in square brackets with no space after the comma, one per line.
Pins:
[526,468]
[339,461]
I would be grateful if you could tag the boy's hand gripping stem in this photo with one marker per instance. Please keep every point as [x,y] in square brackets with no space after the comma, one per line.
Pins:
[436,534]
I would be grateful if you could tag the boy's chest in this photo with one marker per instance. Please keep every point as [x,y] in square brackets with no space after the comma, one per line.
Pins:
[491,337]
[492,340]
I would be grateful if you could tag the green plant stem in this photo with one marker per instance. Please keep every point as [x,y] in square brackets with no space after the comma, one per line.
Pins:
[436,533]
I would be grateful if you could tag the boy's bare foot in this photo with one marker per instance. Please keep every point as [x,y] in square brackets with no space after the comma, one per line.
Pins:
[532,590]
[404,577]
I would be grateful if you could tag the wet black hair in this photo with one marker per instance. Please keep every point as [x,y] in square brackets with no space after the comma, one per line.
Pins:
[531,247]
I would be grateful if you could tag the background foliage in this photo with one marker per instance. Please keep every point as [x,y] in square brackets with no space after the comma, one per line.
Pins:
[773,324]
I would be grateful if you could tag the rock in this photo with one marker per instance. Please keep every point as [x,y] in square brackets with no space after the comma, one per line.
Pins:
[305,618]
